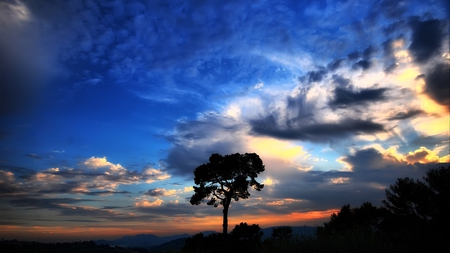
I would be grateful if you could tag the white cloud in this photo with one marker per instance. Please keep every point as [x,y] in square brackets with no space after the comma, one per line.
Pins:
[151,175]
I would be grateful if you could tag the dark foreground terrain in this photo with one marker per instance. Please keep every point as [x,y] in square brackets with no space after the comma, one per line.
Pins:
[14,246]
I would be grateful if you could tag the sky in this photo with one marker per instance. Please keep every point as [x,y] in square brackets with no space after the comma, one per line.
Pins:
[107,107]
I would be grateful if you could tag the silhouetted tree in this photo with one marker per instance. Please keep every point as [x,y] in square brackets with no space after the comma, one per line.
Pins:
[194,242]
[420,209]
[282,233]
[245,238]
[427,201]
[245,232]
[366,218]
[226,178]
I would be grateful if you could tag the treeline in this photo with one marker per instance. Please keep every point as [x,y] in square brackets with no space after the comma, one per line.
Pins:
[15,246]
[415,217]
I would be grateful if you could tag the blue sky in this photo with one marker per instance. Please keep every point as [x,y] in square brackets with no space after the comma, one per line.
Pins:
[107,107]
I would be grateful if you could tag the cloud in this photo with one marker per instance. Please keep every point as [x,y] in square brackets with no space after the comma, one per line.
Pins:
[146,203]
[79,180]
[98,162]
[151,175]
[34,156]
[379,158]
[344,97]
[401,115]
[437,80]
[159,192]
[363,64]
[319,132]
[316,76]
[426,39]
[335,64]
[194,141]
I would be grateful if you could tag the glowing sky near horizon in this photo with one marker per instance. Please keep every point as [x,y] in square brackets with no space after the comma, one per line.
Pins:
[107,107]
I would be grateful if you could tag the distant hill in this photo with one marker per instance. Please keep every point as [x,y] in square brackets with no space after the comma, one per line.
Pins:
[141,240]
[156,243]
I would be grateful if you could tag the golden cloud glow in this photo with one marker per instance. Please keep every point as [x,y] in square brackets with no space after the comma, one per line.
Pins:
[146,203]
[275,148]
[421,155]
[268,181]
[433,125]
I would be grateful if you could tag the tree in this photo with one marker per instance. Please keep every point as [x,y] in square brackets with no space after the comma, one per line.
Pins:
[366,218]
[421,206]
[226,178]
[283,233]
[248,233]
[421,200]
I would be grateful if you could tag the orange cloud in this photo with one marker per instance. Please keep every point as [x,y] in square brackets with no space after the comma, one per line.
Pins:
[146,203]
[421,155]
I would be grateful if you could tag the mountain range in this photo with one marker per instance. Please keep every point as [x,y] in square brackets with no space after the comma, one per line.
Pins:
[151,241]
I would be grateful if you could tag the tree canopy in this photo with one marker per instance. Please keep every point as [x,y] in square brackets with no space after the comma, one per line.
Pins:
[225,178]
[421,205]
[414,216]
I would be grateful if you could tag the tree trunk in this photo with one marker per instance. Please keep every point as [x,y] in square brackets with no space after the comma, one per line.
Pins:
[225,219]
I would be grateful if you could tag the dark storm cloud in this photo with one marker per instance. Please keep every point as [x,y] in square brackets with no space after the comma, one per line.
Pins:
[318,132]
[365,63]
[362,64]
[426,39]
[437,82]
[406,115]
[314,76]
[344,97]
[369,52]
[354,56]
[335,64]
[341,81]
